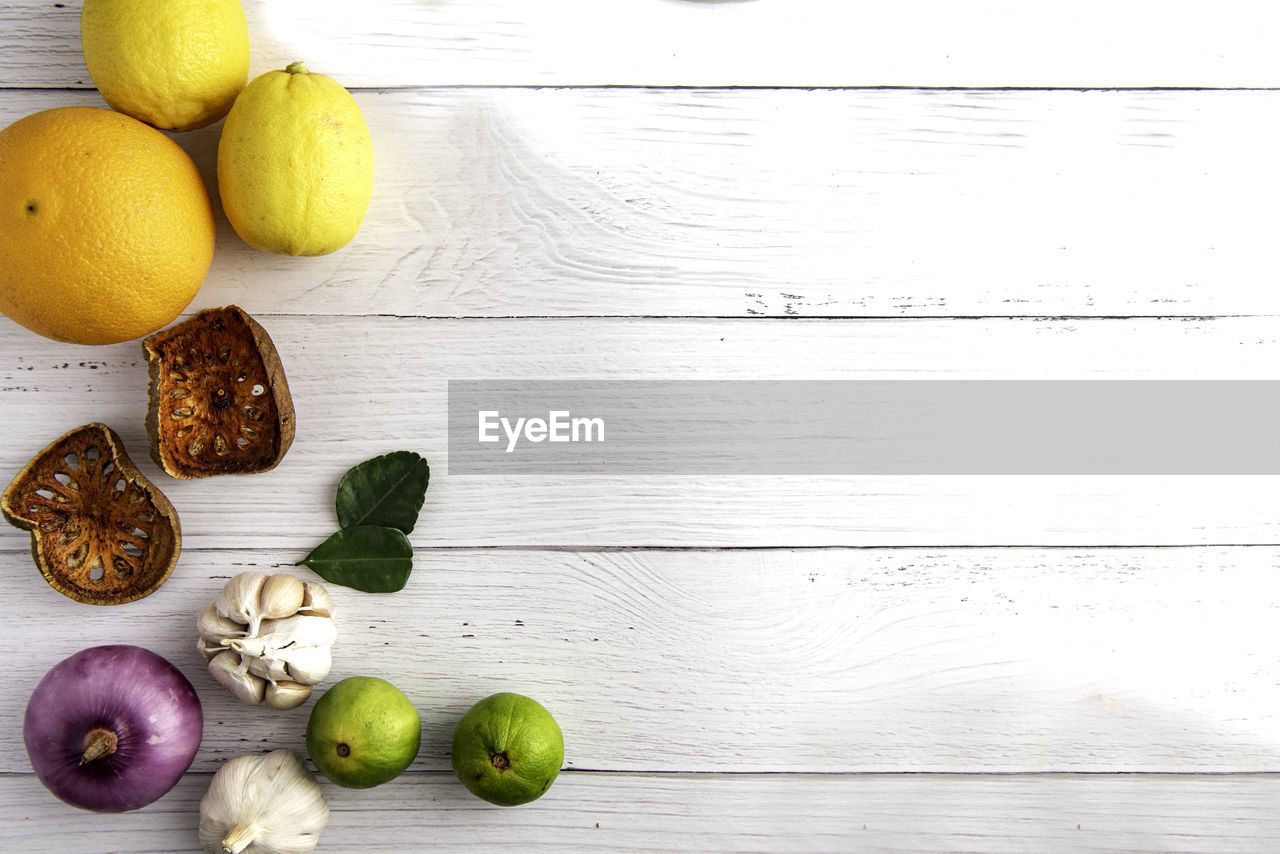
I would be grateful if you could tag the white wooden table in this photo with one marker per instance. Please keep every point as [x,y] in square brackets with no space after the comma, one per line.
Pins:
[668,189]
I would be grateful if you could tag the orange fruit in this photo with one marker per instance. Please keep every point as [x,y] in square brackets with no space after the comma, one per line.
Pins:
[106,231]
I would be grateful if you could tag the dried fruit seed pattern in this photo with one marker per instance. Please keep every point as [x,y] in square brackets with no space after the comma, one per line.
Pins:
[101,533]
[219,401]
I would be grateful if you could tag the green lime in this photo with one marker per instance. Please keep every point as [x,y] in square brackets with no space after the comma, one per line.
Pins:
[363,732]
[507,749]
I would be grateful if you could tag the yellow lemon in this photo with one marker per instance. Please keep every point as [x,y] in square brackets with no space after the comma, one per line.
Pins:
[175,64]
[106,231]
[295,163]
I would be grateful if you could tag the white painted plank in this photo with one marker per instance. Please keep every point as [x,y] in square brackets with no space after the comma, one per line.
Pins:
[752,203]
[1017,660]
[735,814]
[364,386]
[681,42]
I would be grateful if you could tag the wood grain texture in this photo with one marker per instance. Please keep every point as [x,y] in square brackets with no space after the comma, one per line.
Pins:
[749,203]
[674,229]
[691,42]
[735,814]
[365,386]
[1009,660]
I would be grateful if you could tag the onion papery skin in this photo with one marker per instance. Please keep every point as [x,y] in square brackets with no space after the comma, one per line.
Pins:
[146,701]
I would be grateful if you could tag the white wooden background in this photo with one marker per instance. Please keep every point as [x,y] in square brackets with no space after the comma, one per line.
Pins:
[761,189]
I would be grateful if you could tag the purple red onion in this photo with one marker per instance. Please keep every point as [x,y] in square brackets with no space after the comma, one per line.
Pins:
[112,728]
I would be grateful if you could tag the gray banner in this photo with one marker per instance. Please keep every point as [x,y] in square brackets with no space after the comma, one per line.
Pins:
[863,427]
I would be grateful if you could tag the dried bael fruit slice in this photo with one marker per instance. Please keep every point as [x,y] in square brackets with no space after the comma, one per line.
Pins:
[101,533]
[219,400]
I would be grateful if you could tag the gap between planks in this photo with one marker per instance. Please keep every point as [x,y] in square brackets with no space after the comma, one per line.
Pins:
[694,87]
[819,318]
[930,547]
[865,775]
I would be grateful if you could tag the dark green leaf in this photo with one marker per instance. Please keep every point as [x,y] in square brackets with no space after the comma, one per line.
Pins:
[386,490]
[368,557]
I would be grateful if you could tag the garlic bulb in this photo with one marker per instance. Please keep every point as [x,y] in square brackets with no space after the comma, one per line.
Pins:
[267,638]
[263,803]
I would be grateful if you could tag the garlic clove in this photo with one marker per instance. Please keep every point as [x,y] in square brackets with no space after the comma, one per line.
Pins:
[300,644]
[286,695]
[209,650]
[276,635]
[316,601]
[239,598]
[306,664]
[214,627]
[299,630]
[232,673]
[271,669]
[309,664]
[281,596]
